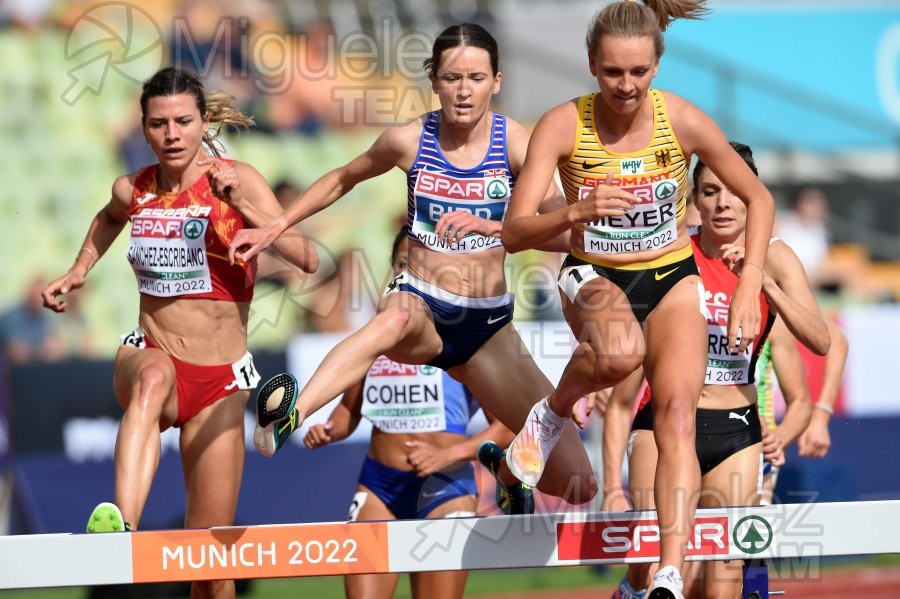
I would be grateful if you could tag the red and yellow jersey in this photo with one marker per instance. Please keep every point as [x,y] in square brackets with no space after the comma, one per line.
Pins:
[179,242]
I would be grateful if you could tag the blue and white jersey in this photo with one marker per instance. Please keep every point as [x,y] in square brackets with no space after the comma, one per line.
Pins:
[405,398]
[435,186]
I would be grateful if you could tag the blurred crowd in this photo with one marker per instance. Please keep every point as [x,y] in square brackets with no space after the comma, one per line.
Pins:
[297,75]
[286,65]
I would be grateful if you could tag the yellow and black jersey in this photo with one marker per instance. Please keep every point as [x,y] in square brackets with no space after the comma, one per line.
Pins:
[657,175]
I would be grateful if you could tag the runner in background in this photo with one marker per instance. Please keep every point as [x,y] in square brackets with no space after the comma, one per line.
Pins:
[781,361]
[412,475]
[730,438]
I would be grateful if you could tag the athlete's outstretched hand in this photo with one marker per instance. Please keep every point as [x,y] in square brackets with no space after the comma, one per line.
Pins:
[603,201]
[453,226]
[318,436]
[249,242]
[74,279]
[744,315]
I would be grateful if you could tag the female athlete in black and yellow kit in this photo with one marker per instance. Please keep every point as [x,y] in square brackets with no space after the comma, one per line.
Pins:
[630,288]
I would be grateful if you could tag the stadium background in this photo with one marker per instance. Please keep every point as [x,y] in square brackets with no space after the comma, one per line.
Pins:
[814,87]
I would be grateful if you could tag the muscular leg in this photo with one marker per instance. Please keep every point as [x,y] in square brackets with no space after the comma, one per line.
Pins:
[212,452]
[733,482]
[145,388]
[371,586]
[616,428]
[450,584]
[509,399]
[675,367]
[611,344]
[402,329]
[641,472]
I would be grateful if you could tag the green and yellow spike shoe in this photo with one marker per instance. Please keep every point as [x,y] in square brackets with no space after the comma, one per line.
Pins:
[106,517]
[276,415]
[511,499]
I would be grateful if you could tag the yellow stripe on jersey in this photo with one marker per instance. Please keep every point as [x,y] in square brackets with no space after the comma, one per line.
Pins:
[660,163]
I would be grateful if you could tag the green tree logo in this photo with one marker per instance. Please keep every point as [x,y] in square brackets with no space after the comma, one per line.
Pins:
[665,190]
[193,229]
[497,189]
[752,534]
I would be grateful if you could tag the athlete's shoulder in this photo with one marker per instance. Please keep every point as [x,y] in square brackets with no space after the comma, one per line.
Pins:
[781,257]
[680,109]
[674,101]
[569,108]
[516,133]
[513,126]
[688,121]
[123,186]
[244,169]
[561,115]
[400,139]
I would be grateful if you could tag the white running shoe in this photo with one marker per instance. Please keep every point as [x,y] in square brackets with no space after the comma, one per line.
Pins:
[529,451]
[667,584]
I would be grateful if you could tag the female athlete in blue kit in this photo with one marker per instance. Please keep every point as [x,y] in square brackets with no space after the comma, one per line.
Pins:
[450,308]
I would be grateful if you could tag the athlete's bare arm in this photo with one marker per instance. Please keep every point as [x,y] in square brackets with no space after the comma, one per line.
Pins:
[791,375]
[103,230]
[394,147]
[787,288]
[341,423]
[699,134]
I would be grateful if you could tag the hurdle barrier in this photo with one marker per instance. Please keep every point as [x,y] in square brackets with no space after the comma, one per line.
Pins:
[807,530]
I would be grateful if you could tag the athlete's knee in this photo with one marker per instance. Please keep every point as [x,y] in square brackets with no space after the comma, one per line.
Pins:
[396,317]
[674,423]
[575,488]
[392,322]
[613,369]
[153,387]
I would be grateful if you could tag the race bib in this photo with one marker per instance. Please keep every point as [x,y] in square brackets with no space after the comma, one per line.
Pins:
[649,225]
[722,366]
[245,374]
[485,196]
[168,252]
[404,398]
[134,338]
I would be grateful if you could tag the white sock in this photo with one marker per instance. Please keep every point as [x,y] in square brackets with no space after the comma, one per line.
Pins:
[546,414]
[672,573]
